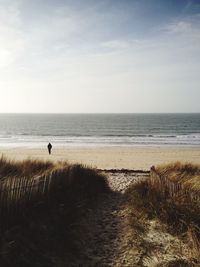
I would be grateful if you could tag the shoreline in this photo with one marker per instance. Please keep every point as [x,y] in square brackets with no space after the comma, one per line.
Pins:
[132,158]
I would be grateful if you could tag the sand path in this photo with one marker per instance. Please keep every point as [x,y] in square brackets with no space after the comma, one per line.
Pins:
[107,225]
[110,240]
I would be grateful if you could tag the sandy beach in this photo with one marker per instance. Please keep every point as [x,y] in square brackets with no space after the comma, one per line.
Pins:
[110,157]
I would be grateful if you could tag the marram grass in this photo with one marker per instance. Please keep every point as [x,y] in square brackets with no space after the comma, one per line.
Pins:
[41,206]
[172,194]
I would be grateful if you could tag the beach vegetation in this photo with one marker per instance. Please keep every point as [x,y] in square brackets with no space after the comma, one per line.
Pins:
[171,194]
[41,206]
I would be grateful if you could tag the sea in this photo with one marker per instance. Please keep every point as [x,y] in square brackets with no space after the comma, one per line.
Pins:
[99,130]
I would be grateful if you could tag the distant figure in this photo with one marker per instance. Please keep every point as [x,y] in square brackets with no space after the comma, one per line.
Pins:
[49,148]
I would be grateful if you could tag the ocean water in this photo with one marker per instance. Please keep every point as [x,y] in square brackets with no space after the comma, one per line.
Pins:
[86,130]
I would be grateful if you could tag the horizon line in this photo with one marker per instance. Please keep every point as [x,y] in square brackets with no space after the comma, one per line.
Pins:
[96,113]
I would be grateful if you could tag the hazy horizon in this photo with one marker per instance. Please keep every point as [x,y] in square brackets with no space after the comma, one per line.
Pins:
[95,113]
[107,56]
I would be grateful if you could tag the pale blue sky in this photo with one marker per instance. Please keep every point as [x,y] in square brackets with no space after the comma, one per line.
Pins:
[99,56]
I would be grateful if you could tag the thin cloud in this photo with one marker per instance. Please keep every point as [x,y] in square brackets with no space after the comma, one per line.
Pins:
[189,24]
[96,59]
[116,44]
[12,41]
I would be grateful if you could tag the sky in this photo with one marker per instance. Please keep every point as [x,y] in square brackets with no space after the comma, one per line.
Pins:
[99,56]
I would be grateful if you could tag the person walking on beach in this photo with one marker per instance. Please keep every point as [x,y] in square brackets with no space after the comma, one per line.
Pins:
[49,148]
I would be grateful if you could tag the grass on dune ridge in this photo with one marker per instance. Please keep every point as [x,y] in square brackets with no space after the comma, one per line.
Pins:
[172,195]
[27,167]
[187,175]
[40,219]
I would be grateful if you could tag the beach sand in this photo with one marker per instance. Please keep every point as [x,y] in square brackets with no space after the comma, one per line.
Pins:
[141,158]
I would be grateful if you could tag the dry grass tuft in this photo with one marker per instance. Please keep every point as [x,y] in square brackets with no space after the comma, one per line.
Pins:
[179,263]
[187,175]
[172,194]
[41,206]
[26,167]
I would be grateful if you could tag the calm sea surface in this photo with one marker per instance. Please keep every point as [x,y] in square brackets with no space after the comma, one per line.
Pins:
[31,130]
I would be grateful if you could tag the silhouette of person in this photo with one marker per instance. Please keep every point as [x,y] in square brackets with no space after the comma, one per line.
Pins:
[49,148]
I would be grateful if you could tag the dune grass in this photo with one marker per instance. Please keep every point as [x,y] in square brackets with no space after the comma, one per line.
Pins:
[187,175]
[26,167]
[39,223]
[172,195]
